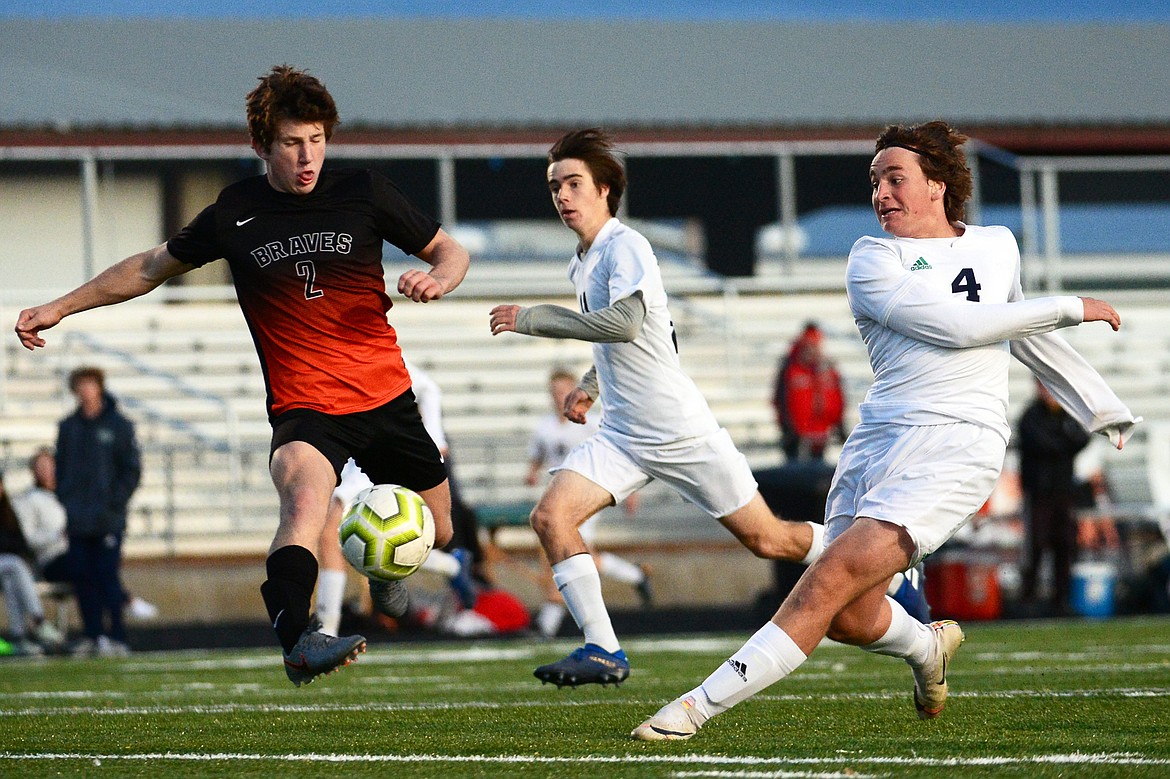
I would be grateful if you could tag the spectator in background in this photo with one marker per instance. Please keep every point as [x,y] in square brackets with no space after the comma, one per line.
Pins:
[42,519]
[1049,440]
[550,443]
[98,468]
[808,398]
[20,589]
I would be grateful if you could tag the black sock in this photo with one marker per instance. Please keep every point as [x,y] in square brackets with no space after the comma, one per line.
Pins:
[292,574]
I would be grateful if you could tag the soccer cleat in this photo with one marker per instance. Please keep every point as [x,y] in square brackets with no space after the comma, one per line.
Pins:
[930,681]
[317,653]
[674,722]
[461,582]
[389,597]
[589,664]
[912,594]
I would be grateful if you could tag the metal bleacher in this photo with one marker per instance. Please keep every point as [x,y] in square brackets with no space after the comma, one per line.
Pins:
[187,373]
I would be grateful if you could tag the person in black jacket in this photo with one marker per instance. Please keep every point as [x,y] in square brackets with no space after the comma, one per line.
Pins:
[98,468]
[1049,440]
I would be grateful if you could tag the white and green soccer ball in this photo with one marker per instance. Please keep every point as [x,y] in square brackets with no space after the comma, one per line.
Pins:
[387,532]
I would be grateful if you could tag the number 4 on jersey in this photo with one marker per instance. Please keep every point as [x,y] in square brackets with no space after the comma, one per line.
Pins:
[965,282]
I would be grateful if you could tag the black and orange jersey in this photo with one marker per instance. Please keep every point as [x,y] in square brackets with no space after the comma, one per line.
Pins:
[308,275]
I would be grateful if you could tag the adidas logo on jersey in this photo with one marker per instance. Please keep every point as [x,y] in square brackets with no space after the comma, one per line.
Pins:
[921,264]
[739,667]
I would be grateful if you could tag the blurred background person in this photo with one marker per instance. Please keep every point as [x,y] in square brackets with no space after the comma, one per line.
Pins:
[552,439]
[455,564]
[1049,440]
[25,612]
[42,519]
[98,469]
[808,398]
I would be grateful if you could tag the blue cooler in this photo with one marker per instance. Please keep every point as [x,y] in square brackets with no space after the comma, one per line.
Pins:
[1093,584]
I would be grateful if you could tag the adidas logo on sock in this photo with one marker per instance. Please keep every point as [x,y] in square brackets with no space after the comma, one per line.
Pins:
[921,264]
[739,667]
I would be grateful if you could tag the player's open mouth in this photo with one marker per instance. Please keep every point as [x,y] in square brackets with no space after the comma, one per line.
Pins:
[306,177]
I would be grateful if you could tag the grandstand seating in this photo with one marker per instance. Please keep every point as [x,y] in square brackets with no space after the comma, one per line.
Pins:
[188,374]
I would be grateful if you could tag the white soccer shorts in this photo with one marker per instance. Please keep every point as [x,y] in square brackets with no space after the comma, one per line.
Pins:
[707,471]
[928,479]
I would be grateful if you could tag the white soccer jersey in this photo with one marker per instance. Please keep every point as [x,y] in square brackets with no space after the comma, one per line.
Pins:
[936,315]
[644,392]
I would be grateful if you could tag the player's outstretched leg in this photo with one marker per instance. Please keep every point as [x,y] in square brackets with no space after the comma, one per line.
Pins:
[930,680]
[317,653]
[909,589]
[589,664]
[389,597]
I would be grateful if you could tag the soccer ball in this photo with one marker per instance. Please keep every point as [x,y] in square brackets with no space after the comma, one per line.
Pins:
[387,532]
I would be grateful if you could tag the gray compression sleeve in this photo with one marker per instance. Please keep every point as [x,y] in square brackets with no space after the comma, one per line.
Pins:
[588,382]
[618,323]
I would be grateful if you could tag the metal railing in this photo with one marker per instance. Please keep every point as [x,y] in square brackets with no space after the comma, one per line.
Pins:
[1039,188]
[78,346]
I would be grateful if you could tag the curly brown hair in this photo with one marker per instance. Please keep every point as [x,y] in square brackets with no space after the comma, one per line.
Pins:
[595,148]
[288,93]
[941,157]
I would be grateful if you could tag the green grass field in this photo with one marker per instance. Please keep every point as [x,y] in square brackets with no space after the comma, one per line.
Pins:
[1057,698]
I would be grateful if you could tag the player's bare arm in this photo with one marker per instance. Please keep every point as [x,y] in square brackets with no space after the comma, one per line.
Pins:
[1100,311]
[449,262]
[134,276]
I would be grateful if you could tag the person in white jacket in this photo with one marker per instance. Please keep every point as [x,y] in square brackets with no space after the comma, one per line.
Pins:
[941,312]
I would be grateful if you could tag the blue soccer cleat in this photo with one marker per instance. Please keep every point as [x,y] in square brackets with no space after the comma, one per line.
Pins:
[588,665]
[912,594]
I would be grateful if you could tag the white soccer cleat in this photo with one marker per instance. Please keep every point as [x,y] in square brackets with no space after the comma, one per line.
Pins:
[930,681]
[676,721]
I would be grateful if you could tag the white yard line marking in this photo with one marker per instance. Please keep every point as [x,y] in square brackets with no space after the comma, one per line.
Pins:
[1076,758]
[284,705]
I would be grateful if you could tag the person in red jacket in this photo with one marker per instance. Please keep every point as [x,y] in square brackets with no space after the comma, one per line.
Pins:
[808,398]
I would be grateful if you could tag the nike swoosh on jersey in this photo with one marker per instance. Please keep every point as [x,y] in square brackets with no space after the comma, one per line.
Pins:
[242,222]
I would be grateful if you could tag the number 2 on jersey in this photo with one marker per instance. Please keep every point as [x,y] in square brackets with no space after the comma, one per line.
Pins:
[307,271]
[965,282]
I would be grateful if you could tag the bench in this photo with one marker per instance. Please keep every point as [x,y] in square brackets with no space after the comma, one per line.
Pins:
[493,515]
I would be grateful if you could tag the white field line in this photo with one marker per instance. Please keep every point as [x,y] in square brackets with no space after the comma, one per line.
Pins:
[1072,759]
[284,706]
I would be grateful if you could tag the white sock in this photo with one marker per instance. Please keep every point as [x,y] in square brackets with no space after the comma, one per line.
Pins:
[818,543]
[619,569]
[330,593]
[580,586]
[765,659]
[442,563]
[906,638]
[549,618]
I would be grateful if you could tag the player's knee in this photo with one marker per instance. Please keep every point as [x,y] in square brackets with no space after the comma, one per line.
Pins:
[541,519]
